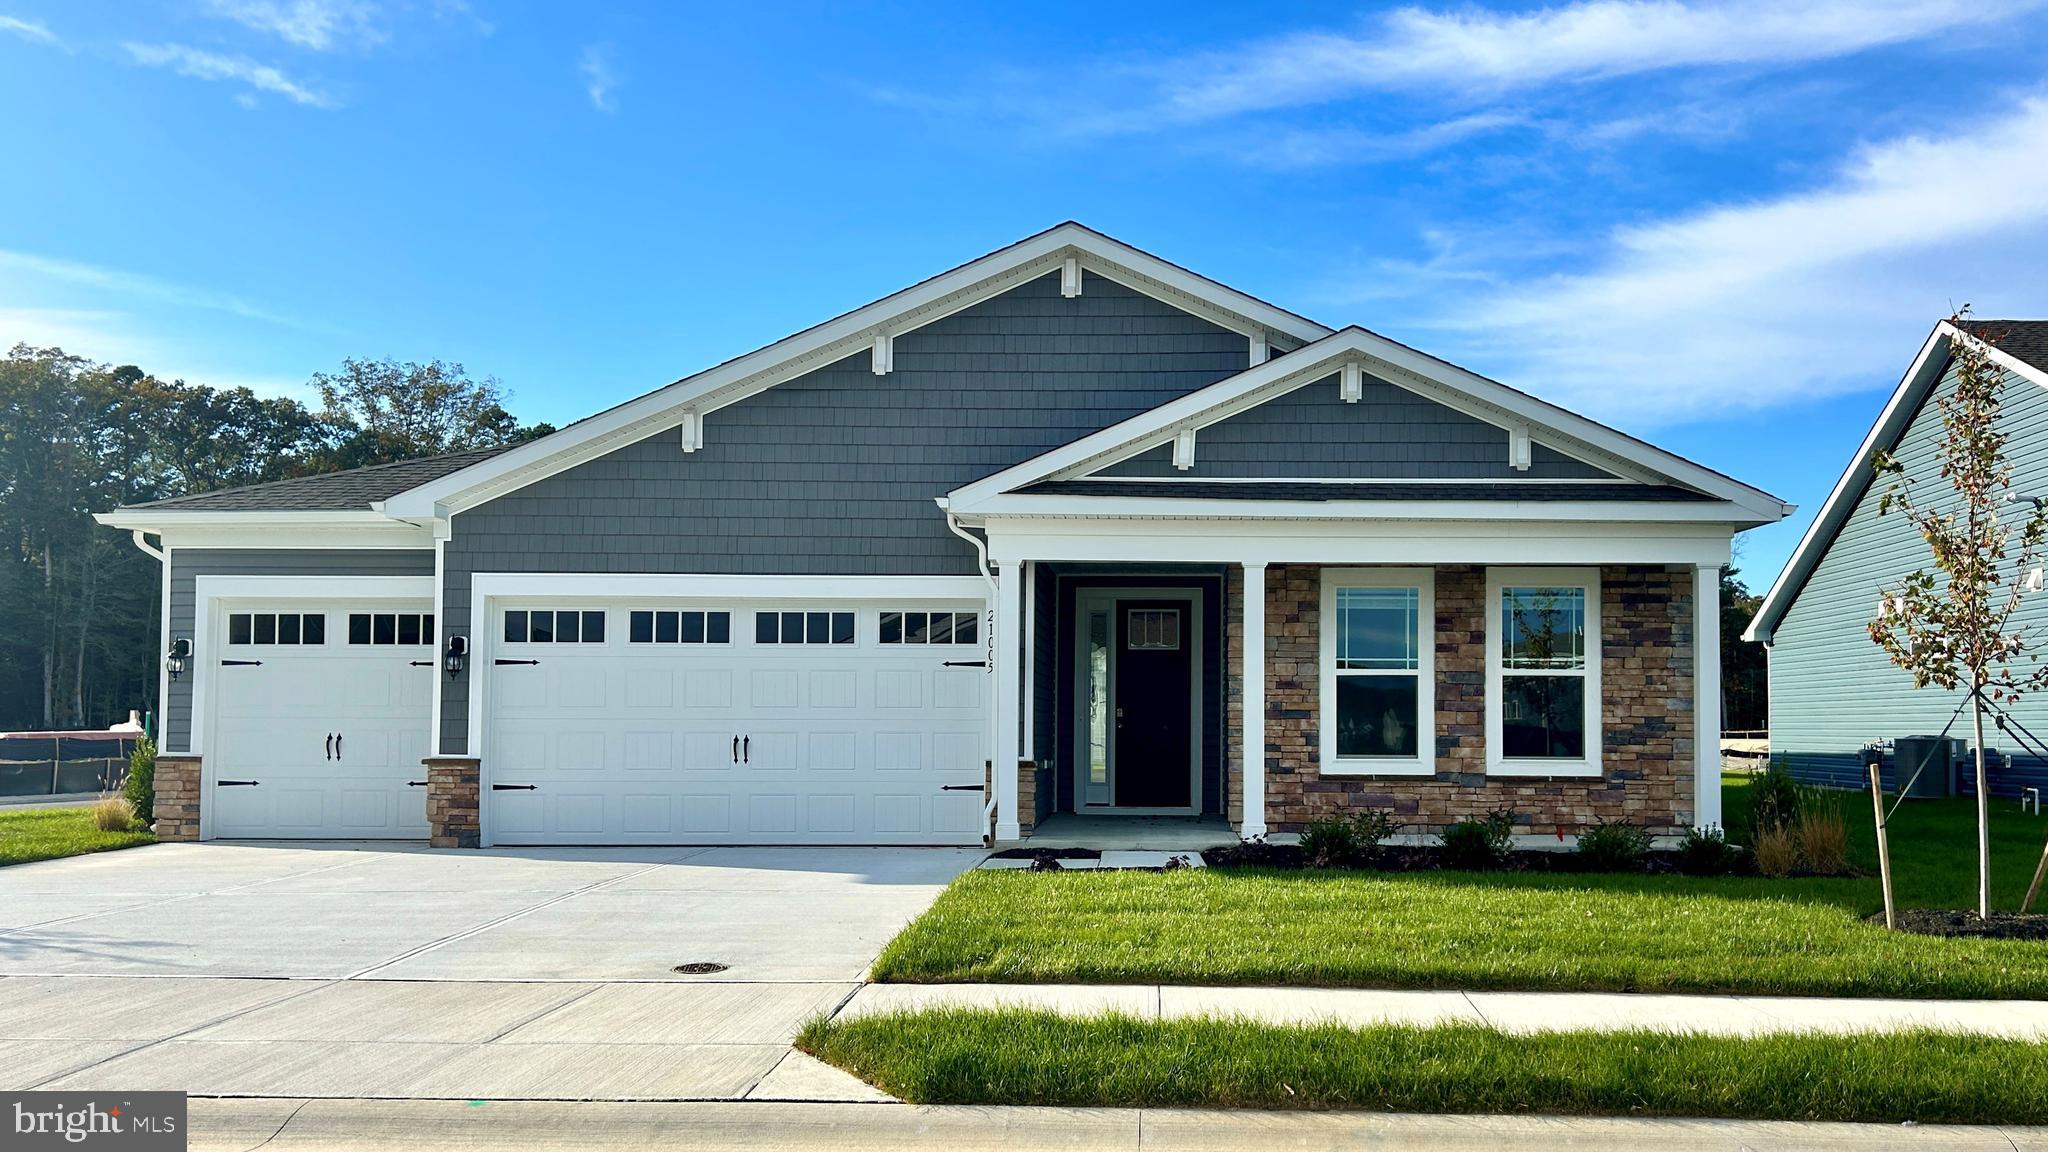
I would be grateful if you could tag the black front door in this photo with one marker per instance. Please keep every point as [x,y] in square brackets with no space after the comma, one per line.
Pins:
[1154,681]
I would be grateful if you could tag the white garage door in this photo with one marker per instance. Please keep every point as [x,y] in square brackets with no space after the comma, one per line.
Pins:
[319,715]
[736,723]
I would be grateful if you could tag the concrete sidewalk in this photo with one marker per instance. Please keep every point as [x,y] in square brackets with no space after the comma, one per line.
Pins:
[1508,1011]
[283,1125]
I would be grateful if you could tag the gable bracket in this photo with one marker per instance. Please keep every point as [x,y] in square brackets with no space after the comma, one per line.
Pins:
[1184,449]
[692,427]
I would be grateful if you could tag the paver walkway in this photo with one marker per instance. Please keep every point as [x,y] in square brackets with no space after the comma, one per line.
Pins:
[1508,1011]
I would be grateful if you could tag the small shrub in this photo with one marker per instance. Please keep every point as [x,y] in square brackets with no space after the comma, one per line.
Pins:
[1774,798]
[1341,841]
[1823,837]
[1705,852]
[1614,846]
[1776,852]
[141,786]
[1476,845]
[113,814]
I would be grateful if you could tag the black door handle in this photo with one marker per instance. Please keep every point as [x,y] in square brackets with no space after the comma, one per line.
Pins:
[337,747]
[747,750]
[735,749]
[235,783]
[330,745]
[964,664]
[241,663]
[415,783]
[504,662]
[960,788]
[421,663]
[514,787]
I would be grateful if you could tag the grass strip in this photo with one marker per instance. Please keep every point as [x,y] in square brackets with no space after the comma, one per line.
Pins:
[30,834]
[978,1056]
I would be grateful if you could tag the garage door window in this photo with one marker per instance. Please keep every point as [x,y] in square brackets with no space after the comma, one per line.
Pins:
[931,628]
[404,628]
[554,627]
[277,628]
[803,627]
[657,627]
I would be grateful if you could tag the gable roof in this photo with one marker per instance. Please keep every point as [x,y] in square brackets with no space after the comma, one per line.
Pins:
[351,490]
[2022,349]
[1439,380]
[728,383]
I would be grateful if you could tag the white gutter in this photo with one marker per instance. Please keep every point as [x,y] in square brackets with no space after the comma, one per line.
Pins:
[137,535]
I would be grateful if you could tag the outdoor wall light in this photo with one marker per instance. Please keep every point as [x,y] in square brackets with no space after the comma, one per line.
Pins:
[456,655]
[179,656]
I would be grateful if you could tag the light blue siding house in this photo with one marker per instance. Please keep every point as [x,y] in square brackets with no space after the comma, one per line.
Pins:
[1832,690]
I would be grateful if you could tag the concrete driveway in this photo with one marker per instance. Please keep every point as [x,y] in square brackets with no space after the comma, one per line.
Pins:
[348,970]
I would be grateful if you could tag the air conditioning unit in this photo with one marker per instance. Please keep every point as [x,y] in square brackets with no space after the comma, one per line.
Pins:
[1933,757]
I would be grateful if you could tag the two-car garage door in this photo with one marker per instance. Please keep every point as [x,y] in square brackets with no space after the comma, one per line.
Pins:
[815,722]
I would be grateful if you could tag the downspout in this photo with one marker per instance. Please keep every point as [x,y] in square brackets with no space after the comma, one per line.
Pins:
[988,810]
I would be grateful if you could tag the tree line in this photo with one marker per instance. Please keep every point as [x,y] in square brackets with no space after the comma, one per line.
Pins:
[79,647]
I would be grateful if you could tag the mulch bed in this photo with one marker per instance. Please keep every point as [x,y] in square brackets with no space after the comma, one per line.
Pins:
[1415,859]
[1047,854]
[1957,922]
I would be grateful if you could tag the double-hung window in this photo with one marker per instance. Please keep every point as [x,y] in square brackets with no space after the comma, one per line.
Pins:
[1543,671]
[1378,671]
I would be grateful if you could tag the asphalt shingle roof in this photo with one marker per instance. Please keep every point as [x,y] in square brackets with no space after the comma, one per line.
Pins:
[348,491]
[2025,339]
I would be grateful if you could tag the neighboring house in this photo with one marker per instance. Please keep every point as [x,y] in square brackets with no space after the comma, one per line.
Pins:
[999,525]
[1833,691]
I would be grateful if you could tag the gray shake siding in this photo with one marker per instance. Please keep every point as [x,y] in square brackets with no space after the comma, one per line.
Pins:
[1832,690]
[1389,434]
[188,564]
[834,473]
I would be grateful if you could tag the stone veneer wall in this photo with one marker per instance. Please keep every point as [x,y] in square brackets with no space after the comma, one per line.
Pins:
[176,801]
[1646,675]
[453,789]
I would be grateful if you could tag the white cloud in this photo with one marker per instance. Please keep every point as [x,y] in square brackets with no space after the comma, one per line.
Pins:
[22,270]
[203,65]
[34,31]
[1478,51]
[1823,290]
[600,77]
[1272,147]
[321,25]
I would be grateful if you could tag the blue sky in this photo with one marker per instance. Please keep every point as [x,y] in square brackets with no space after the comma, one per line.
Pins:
[1726,227]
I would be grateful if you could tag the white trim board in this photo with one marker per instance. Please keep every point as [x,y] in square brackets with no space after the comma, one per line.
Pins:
[1403,366]
[1907,399]
[1343,542]
[835,339]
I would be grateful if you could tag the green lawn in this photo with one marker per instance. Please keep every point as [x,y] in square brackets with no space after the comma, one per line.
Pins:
[46,833]
[1496,930]
[1016,1057]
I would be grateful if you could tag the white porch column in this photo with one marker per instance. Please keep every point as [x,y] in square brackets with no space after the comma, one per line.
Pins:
[1253,671]
[1707,695]
[1008,656]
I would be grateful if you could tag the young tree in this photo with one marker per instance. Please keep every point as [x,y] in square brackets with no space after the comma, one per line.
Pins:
[1954,630]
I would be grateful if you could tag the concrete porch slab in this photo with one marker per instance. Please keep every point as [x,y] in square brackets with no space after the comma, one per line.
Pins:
[1135,833]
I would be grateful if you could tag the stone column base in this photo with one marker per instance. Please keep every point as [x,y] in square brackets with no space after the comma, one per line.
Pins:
[452,812]
[176,788]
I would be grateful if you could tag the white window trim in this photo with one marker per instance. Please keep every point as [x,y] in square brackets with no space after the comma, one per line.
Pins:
[1496,580]
[1423,763]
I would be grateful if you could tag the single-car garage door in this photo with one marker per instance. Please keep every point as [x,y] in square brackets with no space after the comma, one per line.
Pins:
[735,723]
[319,714]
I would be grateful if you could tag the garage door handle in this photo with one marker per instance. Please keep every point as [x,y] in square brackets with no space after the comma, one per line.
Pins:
[415,783]
[241,663]
[502,663]
[337,746]
[965,664]
[735,749]
[514,787]
[959,787]
[235,783]
[421,663]
[330,745]
[747,750]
